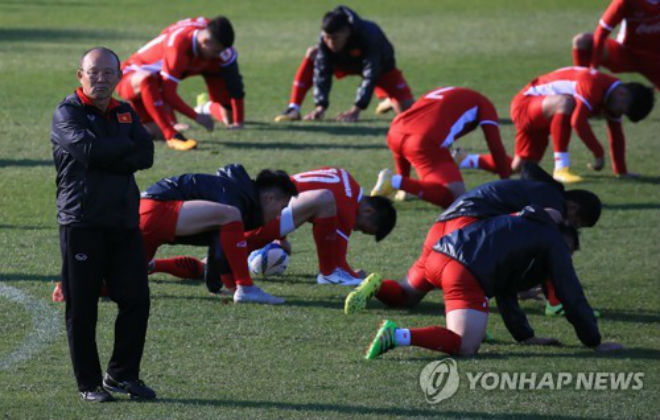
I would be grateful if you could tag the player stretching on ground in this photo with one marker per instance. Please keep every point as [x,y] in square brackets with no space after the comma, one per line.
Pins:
[332,201]
[422,136]
[565,99]
[192,208]
[187,48]
[636,48]
[349,45]
[498,257]
[579,208]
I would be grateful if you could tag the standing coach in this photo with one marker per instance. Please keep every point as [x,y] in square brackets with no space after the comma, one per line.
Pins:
[98,143]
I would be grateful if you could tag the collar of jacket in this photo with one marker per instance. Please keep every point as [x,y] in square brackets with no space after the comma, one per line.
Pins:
[87,101]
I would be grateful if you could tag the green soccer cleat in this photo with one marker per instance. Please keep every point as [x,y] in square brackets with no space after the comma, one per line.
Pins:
[559,310]
[383,342]
[356,301]
[489,337]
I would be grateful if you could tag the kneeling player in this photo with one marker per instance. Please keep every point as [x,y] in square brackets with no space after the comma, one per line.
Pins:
[186,48]
[215,210]
[635,49]
[578,208]
[332,201]
[349,45]
[422,136]
[519,250]
[554,103]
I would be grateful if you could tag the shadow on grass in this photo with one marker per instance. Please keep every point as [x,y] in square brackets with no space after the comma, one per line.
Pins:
[58,35]
[29,277]
[579,353]
[173,280]
[337,129]
[28,227]
[25,163]
[632,206]
[325,410]
[298,146]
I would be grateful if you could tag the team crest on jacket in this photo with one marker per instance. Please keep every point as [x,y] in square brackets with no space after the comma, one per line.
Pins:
[125,118]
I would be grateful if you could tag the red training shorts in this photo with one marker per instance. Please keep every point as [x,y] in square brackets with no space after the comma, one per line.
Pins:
[532,128]
[158,223]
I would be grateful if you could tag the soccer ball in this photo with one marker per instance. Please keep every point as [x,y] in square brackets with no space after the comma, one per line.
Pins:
[271,260]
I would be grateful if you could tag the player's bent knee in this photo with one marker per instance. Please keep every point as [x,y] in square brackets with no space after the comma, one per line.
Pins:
[583,41]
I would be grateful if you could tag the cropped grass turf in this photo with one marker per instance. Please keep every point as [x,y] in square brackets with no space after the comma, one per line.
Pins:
[209,359]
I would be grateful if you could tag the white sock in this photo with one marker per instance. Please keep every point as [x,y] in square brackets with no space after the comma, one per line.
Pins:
[396,181]
[562,160]
[470,162]
[206,108]
[402,336]
[294,106]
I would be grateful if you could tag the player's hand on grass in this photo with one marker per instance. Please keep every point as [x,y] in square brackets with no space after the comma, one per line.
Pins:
[541,341]
[235,126]
[597,164]
[608,346]
[285,244]
[351,115]
[205,120]
[315,115]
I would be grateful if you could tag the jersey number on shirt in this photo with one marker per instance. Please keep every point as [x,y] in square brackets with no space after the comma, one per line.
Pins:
[326,176]
[437,94]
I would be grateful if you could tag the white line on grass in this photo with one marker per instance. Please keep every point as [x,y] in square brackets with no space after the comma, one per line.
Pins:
[46,326]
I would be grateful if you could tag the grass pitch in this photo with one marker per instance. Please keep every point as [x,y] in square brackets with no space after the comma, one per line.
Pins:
[207,358]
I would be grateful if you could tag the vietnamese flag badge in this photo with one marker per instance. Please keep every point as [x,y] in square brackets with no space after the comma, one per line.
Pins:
[125,118]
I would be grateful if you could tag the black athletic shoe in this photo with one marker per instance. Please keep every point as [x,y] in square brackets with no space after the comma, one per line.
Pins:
[97,395]
[135,388]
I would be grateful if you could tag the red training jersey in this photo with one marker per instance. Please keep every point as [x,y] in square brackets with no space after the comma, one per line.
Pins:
[590,89]
[174,54]
[640,26]
[445,114]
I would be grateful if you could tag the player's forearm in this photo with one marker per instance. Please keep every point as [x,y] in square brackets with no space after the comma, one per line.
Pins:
[583,129]
[617,142]
[173,99]
[599,37]
[494,141]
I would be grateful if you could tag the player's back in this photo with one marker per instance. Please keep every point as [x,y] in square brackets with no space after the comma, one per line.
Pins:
[154,51]
[586,85]
[345,189]
[445,109]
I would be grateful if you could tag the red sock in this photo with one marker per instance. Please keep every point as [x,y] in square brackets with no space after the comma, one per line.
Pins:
[264,235]
[302,82]
[238,110]
[152,99]
[391,294]
[487,163]
[432,192]
[228,281]
[436,338]
[234,245]
[581,57]
[560,131]
[325,237]
[550,294]
[182,267]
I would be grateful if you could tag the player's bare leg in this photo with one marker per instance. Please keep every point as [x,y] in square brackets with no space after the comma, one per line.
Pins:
[470,325]
[197,216]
